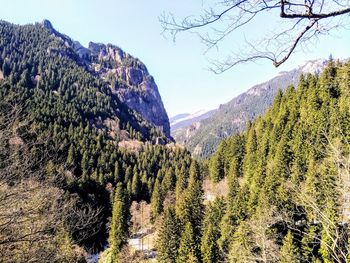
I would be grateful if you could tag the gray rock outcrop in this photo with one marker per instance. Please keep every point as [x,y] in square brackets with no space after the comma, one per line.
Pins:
[134,85]
[128,76]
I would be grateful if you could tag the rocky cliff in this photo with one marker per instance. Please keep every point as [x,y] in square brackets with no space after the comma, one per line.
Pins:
[127,75]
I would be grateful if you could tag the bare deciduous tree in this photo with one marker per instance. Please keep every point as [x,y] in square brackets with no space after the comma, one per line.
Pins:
[338,153]
[37,218]
[297,24]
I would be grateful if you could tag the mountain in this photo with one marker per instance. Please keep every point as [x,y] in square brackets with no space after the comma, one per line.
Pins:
[202,137]
[75,122]
[178,117]
[127,77]
[187,119]
[285,184]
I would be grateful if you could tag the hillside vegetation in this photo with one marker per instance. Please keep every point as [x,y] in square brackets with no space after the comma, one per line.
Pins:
[61,127]
[288,181]
[203,137]
[77,165]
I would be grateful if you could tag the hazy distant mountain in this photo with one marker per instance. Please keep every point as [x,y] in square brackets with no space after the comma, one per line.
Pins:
[202,137]
[178,117]
[186,119]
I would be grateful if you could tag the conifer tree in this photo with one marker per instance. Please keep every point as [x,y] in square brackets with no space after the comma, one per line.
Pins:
[168,237]
[329,233]
[71,156]
[217,167]
[308,244]
[187,251]
[288,253]
[117,175]
[190,206]
[168,182]
[119,223]
[136,186]
[209,247]
[156,200]
[211,231]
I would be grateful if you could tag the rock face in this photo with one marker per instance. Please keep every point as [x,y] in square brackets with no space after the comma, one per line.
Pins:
[133,84]
[128,78]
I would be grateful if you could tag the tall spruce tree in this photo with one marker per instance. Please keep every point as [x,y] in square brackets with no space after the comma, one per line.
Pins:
[156,200]
[187,250]
[289,252]
[168,240]
[120,222]
[190,208]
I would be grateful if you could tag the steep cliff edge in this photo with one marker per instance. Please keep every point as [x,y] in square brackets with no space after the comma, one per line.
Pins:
[127,76]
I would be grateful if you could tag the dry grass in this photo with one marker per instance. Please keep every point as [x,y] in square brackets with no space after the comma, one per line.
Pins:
[133,145]
[213,190]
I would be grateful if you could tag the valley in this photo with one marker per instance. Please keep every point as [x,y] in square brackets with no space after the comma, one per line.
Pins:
[93,170]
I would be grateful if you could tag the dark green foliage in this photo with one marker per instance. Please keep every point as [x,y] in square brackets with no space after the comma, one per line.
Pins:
[156,200]
[217,167]
[210,249]
[287,161]
[289,253]
[187,250]
[66,102]
[168,237]
[120,222]
[190,207]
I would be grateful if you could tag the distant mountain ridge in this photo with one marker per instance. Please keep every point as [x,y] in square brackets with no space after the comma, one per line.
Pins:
[187,119]
[202,137]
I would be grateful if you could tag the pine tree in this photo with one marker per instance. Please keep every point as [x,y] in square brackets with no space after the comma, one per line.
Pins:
[168,237]
[101,179]
[156,201]
[136,186]
[181,184]
[241,245]
[85,162]
[168,182]
[329,232]
[71,156]
[209,247]
[217,167]
[211,231]
[232,179]
[117,174]
[190,208]
[308,243]
[289,252]
[187,252]
[119,223]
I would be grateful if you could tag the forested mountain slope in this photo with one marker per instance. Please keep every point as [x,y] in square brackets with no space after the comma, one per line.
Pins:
[203,137]
[288,179]
[288,176]
[69,133]
[75,153]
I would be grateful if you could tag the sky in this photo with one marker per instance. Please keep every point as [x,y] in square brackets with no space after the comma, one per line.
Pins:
[180,68]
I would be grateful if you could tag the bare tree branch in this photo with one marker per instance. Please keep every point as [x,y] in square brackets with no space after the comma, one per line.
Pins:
[304,21]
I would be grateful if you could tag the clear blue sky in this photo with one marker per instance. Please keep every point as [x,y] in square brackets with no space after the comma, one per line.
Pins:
[180,68]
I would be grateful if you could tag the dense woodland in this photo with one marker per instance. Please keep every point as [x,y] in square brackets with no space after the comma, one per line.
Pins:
[288,178]
[66,185]
[53,112]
